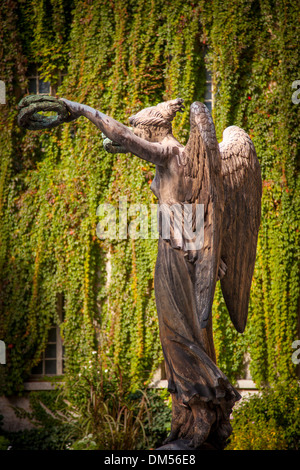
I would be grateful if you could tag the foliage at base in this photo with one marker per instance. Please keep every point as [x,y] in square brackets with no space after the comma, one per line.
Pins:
[110,418]
[269,420]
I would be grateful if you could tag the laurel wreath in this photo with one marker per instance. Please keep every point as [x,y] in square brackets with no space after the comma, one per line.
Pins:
[31,106]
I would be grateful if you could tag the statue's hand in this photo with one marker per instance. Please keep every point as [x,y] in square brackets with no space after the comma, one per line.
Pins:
[31,106]
[112,147]
[72,108]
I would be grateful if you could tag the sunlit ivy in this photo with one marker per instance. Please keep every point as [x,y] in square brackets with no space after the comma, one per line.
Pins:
[120,57]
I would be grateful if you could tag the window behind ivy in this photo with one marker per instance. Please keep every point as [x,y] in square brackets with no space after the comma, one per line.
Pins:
[37,86]
[52,361]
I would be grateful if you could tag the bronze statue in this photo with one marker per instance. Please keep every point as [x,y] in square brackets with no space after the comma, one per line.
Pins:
[225,178]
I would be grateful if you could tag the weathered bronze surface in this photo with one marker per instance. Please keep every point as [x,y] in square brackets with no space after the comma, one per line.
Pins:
[225,178]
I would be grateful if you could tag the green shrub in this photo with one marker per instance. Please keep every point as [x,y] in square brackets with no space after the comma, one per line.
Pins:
[103,414]
[86,443]
[4,443]
[269,420]
[159,426]
[43,438]
[126,421]
[114,418]
[49,433]
[259,435]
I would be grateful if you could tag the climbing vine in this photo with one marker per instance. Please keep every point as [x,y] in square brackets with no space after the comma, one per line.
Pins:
[254,58]
[119,57]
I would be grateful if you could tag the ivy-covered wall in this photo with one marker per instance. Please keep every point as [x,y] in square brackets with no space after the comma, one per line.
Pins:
[255,60]
[120,56]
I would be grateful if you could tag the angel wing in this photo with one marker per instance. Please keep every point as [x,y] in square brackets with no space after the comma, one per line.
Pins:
[242,190]
[203,182]
[226,179]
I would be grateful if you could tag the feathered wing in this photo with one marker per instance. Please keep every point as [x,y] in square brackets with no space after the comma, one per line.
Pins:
[242,191]
[203,183]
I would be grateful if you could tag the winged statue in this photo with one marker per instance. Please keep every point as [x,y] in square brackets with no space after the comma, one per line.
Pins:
[225,180]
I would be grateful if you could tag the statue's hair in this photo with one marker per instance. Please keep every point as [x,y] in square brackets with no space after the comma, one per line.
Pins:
[150,117]
[159,116]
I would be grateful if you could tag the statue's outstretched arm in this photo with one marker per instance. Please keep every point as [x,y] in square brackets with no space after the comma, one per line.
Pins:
[117,132]
[32,105]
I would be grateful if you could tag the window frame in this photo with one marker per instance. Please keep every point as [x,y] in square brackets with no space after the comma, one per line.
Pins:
[59,353]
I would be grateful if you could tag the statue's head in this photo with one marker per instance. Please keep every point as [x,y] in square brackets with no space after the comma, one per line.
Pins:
[155,123]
